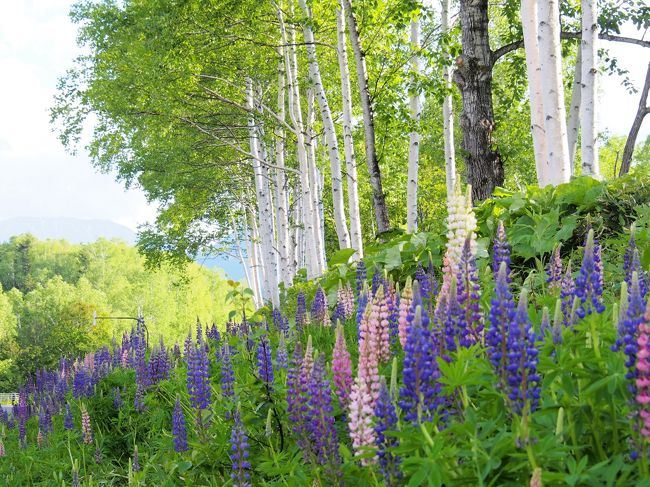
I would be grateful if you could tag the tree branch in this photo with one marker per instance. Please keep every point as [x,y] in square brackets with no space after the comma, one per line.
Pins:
[513,46]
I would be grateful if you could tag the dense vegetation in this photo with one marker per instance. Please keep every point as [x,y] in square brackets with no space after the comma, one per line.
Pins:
[500,368]
[52,290]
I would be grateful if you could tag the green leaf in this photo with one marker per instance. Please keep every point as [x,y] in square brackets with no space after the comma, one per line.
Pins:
[341,256]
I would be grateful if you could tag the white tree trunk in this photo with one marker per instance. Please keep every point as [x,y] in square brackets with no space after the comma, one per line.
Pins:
[281,199]
[331,141]
[265,208]
[573,124]
[589,50]
[529,22]
[557,145]
[414,138]
[314,182]
[253,256]
[448,113]
[295,113]
[348,141]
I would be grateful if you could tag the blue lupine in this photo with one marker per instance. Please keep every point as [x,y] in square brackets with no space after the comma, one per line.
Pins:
[567,293]
[632,263]
[319,309]
[457,332]
[523,381]
[320,419]
[239,454]
[339,313]
[425,284]
[294,412]
[502,313]
[264,362]
[386,421]
[420,393]
[501,251]
[68,421]
[392,300]
[117,398]
[554,270]
[377,280]
[361,277]
[469,291]
[301,311]
[179,429]
[198,377]
[362,302]
[589,283]
[634,317]
[227,374]
[281,356]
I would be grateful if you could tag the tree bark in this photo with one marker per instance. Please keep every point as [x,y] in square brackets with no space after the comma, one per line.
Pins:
[348,141]
[414,137]
[557,144]
[254,258]
[378,197]
[589,78]
[573,124]
[529,24]
[281,200]
[448,113]
[473,76]
[295,113]
[642,111]
[265,208]
[331,141]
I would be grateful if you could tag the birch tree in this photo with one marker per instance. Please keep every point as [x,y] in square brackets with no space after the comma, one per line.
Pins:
[573,124]
[589,77]
[348,141]
[557,146]
[414,136]
[448,112]
[642,111]
[340,219]
[378,197]
[529,24]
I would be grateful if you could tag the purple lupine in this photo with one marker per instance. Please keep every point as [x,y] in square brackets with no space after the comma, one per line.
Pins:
[199,331]
[320,420]
[319,308]
[280,322]
[545,323]
[362,302]
[176,351]
[241,466]
[341,368]
[632,263]
[589,284]
[386,420]
[457,332]
[187,345]
[377,280]
[634,318]
[294,411]
[523,381]
[554,271]
[567,293]
[392,300]
[68,421]
[264,362]
[117,398]
[361,277]
[339,313]
[301,312]
[501,251]
[138,399]
[502,313]
[425,284]
[86,428]
[98,455]
[198,377]
[281,355]
[420,393]
[227,374]
[179,430]
[468,292]
[81,384]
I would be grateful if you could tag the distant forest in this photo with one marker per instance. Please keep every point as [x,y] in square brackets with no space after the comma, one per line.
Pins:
[50,291]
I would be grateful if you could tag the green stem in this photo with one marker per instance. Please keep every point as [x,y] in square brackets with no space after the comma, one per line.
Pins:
[594,337]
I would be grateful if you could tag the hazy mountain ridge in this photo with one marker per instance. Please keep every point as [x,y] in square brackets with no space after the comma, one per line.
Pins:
[74,230]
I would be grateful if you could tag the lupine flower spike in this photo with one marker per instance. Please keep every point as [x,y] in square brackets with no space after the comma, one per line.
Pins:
[179,429]
[341,367]
[241,466]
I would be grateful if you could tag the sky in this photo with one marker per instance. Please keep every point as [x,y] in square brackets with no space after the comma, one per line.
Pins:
[38,178]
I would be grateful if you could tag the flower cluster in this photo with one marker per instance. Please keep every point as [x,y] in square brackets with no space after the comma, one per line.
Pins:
[500,250]
[301,311]
[264,362]
[341,367]
[589,284]
[198,376]
[319,418]
[404,306]
[319,308]
[386,421]
[239,453]
[554,271]
[227,374]
[179,429]
[461,224]
[86,428]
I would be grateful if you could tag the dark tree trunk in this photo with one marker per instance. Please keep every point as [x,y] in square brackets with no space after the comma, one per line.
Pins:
[378,197]
[643,110]
[473,76]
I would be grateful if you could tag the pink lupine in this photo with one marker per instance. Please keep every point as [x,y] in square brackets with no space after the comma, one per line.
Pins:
[341,368]
[307,362]
[346,297]
[380,306]
[643,379]
[404,305]
[361,412]
[368,369]
[86,427]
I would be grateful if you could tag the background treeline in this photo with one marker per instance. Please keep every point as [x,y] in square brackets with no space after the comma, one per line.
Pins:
[50,290]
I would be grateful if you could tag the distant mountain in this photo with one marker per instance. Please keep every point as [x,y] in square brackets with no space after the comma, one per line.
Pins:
[78,230]
[75,230]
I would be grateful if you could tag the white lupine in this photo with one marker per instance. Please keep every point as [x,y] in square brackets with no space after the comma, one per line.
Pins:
[461,223]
